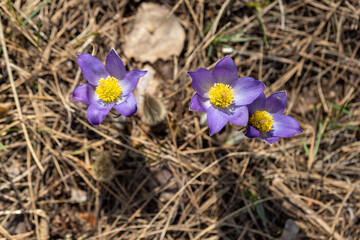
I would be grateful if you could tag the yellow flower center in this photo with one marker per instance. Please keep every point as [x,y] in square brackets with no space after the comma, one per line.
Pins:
[221,95]
[262,121]
[108,89]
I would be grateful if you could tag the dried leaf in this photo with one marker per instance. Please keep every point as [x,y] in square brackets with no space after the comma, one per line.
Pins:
[4,108]
[78,195]
[156,34]
[290,231]
[89,218]
[44,229]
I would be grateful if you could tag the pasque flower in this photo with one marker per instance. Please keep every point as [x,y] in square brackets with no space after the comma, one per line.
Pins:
[267,121]
[222,95]
[108,86]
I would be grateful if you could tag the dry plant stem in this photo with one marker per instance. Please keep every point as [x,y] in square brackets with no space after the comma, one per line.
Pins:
[16,98]
[300,204]
[32,195]
[194,16]
[170,217]
[312,154]
[186,185]
[121,228]
[5,233]
[221,221]
[17,195]
[209,37]
[178,194]
[342,205]
[281,6]
[108,137]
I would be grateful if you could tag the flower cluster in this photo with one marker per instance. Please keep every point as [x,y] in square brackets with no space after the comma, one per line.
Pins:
[241,101]
[220,93]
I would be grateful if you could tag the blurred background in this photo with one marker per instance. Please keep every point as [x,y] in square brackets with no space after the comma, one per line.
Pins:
[158,174]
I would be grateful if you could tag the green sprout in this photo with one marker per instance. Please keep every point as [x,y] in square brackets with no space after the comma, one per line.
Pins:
[3,147]
[257,7]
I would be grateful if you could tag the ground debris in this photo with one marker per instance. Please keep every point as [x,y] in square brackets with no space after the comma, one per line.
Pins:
[173,180]
[155,34]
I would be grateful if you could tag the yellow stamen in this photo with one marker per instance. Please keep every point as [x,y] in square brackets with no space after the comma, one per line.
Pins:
[262,121]
[221,95]
[108,89]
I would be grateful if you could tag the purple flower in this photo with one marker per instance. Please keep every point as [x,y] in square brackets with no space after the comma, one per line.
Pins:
[266,120]
[109,86]
[222,95]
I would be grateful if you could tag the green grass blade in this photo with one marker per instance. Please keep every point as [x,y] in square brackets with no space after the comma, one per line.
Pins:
[353,128]
[342,108]
[305,146]
[234,39]
[3,147]
[14,11]
[207,29]
[318,140]
[262,26]
[259,208]
[35,12]
[209,52]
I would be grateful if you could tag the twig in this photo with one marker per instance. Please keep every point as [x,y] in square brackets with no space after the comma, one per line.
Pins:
[282,12]
[16,98]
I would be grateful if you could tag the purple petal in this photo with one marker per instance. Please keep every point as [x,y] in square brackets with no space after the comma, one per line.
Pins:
[276,103]
[114,65]
[202,81]
[127,107]
[246,90]
[198,103]
[257,105]
[128,84]
[285,126]
[96,113]
[92,68]
[240,116]
[225,71]
[252,132]
[84,93]
[216,119]
[270,140]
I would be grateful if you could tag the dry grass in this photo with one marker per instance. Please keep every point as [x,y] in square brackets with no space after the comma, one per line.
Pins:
[176,182]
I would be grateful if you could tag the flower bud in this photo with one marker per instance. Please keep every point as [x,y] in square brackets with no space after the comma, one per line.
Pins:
[153,110]
[103,168]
